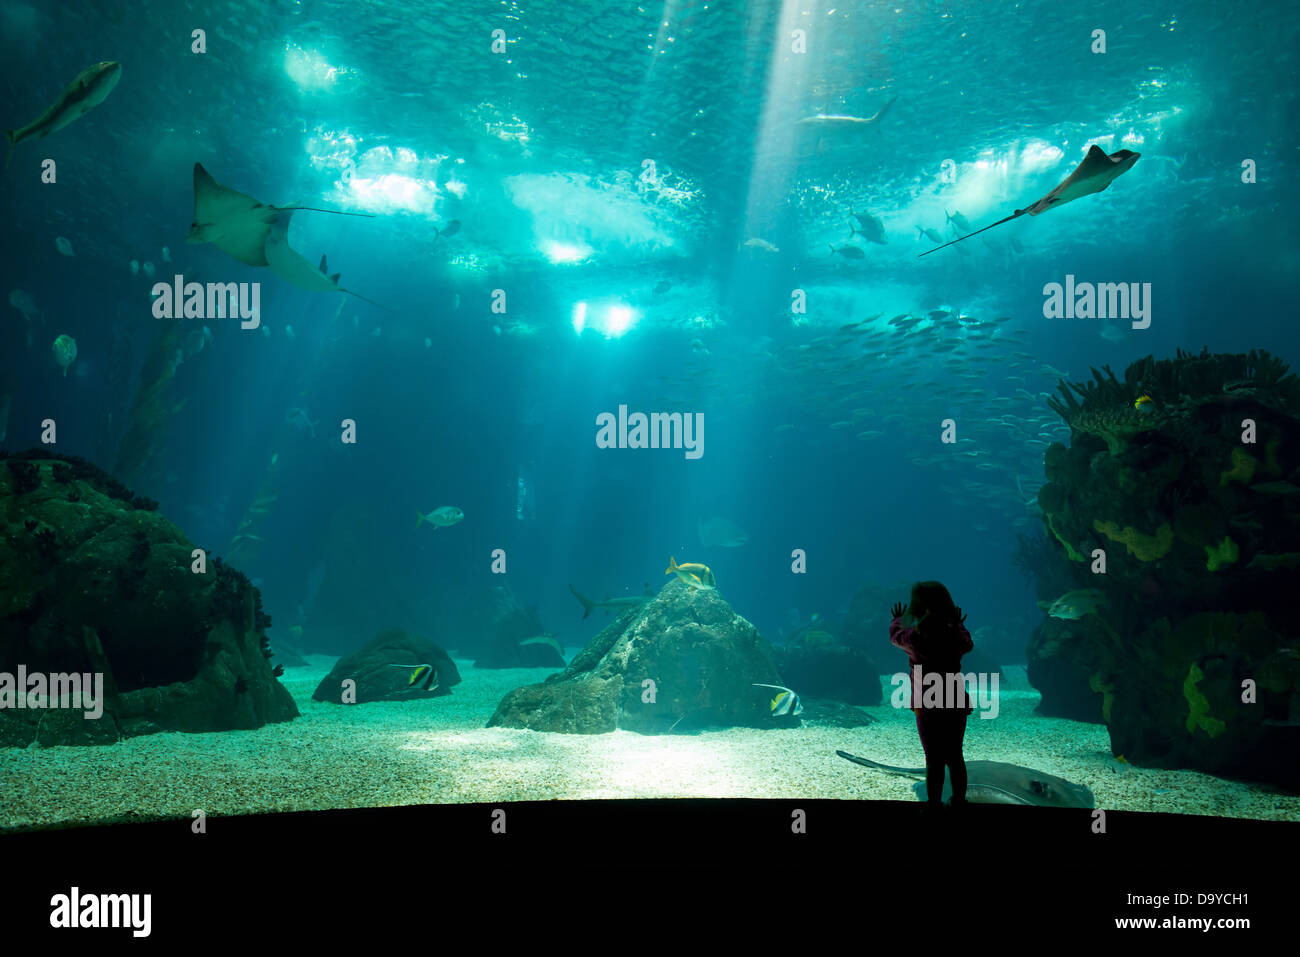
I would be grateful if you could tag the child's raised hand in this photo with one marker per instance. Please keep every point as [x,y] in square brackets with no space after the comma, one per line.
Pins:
[961,618]
[897,611]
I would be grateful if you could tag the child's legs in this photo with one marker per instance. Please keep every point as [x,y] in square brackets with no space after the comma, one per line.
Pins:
[954,760]
[934,745]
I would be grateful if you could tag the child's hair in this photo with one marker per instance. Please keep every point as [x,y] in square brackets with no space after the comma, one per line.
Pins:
[931,601]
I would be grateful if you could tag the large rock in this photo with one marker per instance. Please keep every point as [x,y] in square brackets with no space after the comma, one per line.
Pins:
[508,623]
[1193,495]
[831,671]
[94,580]
[382,670]
[685,656]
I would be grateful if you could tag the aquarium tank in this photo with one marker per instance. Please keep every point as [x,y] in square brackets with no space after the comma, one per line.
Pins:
[755,434]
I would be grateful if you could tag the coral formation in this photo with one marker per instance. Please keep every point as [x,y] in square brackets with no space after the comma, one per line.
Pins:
[1201,484]
[1146,548]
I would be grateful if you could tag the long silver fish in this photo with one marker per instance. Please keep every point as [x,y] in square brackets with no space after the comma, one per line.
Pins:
[87,91]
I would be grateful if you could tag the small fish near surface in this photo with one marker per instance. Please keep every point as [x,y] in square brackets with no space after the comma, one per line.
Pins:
[696,576]
[87,91]
[443,517]
[610,604]
[785,704]
[995,782]
[842,120]
[1094,174]
[761,244]
[451,229]
[848,252]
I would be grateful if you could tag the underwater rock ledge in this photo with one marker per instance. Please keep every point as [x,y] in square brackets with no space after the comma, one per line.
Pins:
[702,658]
[93,579]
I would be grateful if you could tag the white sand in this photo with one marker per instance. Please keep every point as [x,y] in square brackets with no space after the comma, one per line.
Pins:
[437,751]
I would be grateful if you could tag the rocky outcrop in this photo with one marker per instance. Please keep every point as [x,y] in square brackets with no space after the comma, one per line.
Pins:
[506,638]
[684,657]
[382,668]
[94,581]
[1186,475]
[830,671]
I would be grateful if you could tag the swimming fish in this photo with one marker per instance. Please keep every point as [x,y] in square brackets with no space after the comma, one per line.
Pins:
[756,243]
[834,120]
[958,222]
[237,224]
[1095,173]
[299,419]
[291,266]
[870,228]
[87,91]
[931,234]
[721,532]
[442,517]
[612,603]
[785,703]
[63,246]
[135,267]
[424,677]
[849,252]
[692,578]
[149,270]
[451,229]
[166,255]
[1144,404]
[65,352]
[662,287]
[1074,605]
[547,639]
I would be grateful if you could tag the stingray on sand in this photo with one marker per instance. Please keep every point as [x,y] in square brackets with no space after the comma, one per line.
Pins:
[995,782]
[1095,173]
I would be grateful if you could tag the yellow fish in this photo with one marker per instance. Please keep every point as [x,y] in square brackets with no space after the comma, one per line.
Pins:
[1144,403]
[688,574]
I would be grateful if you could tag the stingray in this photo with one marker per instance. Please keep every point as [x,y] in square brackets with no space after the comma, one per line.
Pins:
[1095,173]
[995,782]
[236,224]
[292,266]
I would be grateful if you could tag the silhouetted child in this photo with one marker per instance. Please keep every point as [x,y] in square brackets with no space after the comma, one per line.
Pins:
[936,641]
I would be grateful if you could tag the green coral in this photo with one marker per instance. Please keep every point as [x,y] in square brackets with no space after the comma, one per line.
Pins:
[1225,553]
[1146,548]
[1107,691]
[1242,469]
[1070,550]
[1199,706]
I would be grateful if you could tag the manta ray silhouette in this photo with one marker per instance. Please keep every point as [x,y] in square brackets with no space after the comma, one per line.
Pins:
[994,782]
[1095,173]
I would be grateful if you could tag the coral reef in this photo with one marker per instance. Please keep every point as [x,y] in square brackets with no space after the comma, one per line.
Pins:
[1200,487]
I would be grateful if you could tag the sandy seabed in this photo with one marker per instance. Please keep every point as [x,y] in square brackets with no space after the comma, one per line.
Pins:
[437,751]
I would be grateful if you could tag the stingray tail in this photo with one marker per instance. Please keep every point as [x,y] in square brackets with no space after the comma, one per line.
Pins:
[867,763]
[364,299]
[336,212]
[1018,212]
